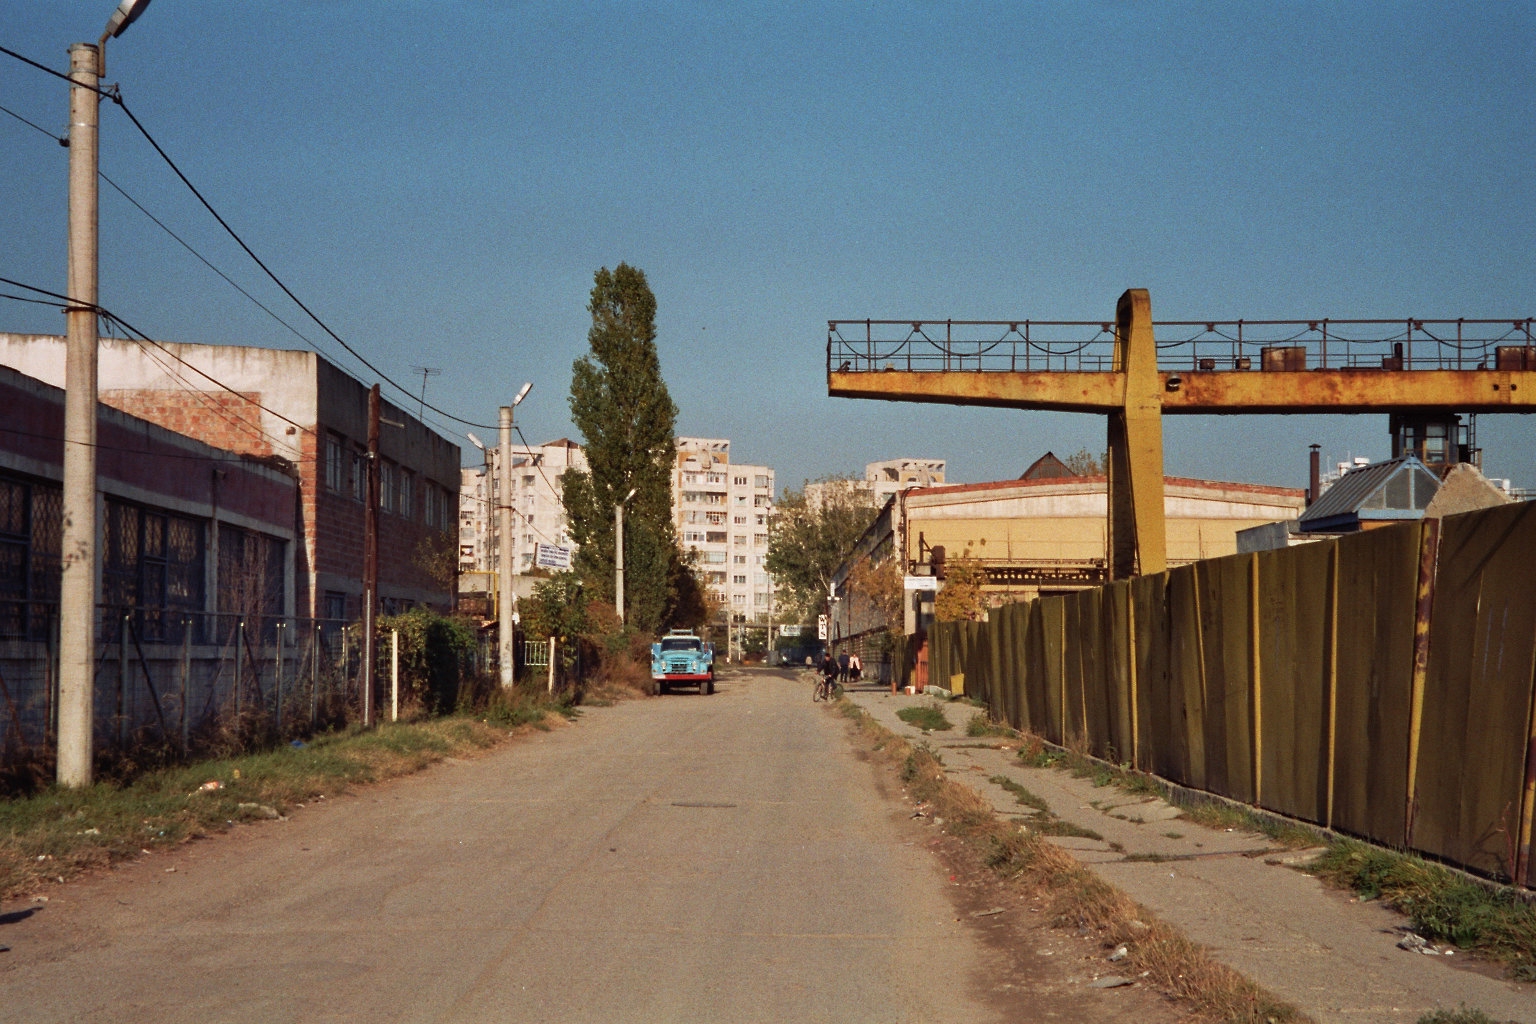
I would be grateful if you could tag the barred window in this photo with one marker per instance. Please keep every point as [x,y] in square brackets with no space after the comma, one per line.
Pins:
[152,567]
[251,576]
[31,525]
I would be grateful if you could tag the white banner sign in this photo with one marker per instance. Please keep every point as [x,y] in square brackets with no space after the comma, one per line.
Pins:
[789,631]
[553,556]
[921,583]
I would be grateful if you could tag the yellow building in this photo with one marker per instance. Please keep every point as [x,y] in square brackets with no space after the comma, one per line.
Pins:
[1044,533]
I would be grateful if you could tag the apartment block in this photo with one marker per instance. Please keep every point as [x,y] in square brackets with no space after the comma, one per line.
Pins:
[538,508]
[722,512]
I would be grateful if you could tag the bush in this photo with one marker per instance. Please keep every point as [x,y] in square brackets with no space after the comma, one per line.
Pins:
[432,650]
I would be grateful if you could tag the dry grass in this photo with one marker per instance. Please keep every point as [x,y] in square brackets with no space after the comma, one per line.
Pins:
[55,834]
[1072,896]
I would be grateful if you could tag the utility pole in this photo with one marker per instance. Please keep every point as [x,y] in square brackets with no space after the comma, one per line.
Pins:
[77,589]
[77,586]
[370,555]
[505,628]
[618,553]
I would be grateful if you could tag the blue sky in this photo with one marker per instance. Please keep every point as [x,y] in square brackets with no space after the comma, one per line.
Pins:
[439,181]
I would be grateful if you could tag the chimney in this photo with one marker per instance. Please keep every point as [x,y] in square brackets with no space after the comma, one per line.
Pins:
[1315,480]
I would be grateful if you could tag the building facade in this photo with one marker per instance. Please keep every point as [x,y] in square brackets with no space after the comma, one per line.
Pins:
[296,410]
[1034,537]
[538,505]
[722,512]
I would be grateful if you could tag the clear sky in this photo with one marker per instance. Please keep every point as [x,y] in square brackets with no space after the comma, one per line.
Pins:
[440,180]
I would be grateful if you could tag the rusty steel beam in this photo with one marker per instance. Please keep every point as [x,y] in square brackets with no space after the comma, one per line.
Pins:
[1343,391]
[1193,392]
[1066,391]
[1137,533]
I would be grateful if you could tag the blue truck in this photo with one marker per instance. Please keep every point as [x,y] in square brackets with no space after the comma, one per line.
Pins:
[682,657]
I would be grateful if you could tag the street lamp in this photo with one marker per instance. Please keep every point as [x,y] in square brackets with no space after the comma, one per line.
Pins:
[618,553]
[506,629]
[77,587]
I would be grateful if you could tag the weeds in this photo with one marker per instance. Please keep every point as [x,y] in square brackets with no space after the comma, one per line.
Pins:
[1073,896]
[928,717]
[981,725]
[1458,1016]
[1442,906]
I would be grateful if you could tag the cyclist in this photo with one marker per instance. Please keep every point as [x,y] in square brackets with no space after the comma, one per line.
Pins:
[829,671]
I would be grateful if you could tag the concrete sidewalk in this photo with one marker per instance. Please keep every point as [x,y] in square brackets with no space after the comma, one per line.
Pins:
[1233,892]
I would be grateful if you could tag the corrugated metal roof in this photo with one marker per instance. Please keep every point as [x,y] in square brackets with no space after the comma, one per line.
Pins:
[1355,488]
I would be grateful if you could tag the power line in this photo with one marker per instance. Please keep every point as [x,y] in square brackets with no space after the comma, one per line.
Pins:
[268,271]
[115,95]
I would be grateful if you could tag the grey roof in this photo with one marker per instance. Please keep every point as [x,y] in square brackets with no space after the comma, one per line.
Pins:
[1365,493]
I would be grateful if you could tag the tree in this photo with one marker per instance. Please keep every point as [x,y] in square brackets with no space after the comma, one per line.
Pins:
[961,596]
[877,592]
[621,406]
[813,532]
[1085,464]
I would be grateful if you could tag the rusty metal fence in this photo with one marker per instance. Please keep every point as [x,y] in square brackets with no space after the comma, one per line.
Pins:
[1382,684]
[179,681]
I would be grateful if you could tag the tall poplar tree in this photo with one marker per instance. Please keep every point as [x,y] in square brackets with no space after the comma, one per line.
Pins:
[621,406]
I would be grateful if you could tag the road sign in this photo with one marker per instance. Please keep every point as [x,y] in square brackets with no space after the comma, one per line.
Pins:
[921,583]
[553,556]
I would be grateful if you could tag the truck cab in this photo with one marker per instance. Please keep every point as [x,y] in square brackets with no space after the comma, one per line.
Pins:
[682,657]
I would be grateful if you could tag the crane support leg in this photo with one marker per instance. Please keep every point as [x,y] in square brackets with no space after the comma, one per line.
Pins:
[1137,532]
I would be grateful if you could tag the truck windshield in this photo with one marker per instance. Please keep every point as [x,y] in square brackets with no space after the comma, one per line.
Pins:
[680,644]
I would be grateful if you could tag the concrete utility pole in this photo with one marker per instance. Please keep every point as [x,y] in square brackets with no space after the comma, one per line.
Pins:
[506,629]
[618,553]
[504,625]
[77,587]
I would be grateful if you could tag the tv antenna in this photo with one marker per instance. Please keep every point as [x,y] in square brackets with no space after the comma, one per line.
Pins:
[425,371]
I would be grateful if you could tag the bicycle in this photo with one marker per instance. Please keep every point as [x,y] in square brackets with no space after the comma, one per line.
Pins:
[826,688]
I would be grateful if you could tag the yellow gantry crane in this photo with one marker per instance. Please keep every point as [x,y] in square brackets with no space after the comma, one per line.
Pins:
[1423,373]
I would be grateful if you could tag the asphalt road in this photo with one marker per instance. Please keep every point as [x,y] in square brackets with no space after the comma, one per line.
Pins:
[722,858]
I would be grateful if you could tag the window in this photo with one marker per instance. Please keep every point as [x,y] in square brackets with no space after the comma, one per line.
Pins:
[407,493]
[741,540]
[359,476]
[715,518]
[739,520]
[429,503]
[761,500]
[31,521]
[251,579]
[739,560]
[761,540]
[714,558]
[335,464]
[740,581]
[152,567]
[715,536]
[693,537]
[741,499]
[740,481]
[715,577]
[387,486]
[738,599]
[760,481]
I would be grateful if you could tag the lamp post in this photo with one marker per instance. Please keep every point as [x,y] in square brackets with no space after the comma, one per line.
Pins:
[77,587]
[506,629]
[618,553]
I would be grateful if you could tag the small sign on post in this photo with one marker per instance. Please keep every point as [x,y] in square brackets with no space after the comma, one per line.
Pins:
[553,556]
[921,583]
[821,627]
